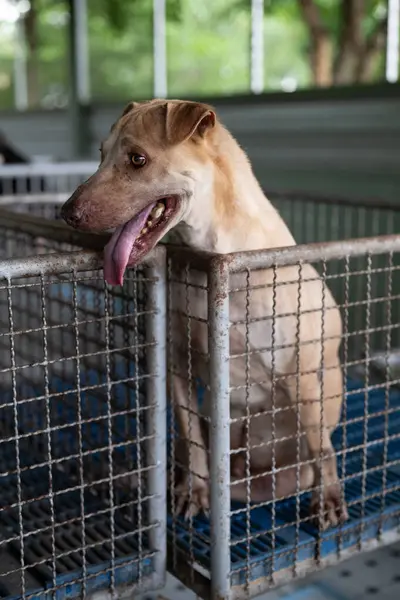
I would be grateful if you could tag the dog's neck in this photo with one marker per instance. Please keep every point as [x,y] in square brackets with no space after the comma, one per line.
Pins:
[229,211]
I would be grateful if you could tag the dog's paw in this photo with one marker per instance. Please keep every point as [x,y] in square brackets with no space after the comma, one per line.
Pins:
[193,497]
[238,466]
[330,510]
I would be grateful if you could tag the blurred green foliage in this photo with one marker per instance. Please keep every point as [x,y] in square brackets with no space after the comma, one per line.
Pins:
[208,47]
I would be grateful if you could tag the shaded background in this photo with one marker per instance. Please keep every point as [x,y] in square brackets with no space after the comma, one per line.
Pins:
[304,87]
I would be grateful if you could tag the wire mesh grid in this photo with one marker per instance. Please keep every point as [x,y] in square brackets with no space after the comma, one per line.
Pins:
[316,219]
[20,244]
[196,548]
[188,428]
[258,337]
[82,382]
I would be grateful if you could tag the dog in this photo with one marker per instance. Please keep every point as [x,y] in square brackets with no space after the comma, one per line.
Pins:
[171,166]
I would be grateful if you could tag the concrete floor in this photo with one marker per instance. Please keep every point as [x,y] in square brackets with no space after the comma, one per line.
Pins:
[369,576]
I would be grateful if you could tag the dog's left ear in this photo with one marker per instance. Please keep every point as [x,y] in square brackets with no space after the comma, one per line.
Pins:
[188,119]
[128,108]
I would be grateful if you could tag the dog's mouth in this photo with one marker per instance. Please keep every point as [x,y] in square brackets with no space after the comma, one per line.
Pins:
[133,240]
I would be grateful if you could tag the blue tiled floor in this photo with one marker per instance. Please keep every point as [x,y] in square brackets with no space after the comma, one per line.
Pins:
[370,511]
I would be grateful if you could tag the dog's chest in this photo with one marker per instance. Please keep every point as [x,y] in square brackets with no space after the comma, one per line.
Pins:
[256,338]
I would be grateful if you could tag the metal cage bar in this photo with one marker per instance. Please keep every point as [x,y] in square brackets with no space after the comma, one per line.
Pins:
[274,540]
[156,388]
[86,393]
[218,332]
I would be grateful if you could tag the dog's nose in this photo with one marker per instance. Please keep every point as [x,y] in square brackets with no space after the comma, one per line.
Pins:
[71,215]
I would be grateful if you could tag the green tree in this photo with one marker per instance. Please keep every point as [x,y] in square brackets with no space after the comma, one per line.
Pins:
[346,38]
[312,42]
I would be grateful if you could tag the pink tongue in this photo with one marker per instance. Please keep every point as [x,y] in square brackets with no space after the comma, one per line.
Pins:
[119,248]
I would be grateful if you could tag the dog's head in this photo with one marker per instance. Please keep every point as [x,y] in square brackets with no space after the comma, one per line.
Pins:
[155,159]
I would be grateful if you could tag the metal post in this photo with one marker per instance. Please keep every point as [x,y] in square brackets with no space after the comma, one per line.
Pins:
[159,49]
[156,328]
[79,121]
[392,42]
[218,340]
[20,68]
[257,47]
[82,51]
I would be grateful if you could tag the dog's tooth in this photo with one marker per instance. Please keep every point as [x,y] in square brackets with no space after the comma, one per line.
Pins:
[144,230]
[157,211]
[149,223]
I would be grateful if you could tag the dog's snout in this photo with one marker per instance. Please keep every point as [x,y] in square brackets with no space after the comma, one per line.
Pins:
[72,211]
[72,214]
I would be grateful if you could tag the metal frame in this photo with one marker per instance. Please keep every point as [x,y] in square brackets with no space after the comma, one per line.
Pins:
[218,333]
[221,583]
[257,47]
[392,42]
[160,66]
[68,266]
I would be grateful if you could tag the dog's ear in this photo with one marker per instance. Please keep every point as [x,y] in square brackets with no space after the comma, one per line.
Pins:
[188,119]
[126,110]
[129,107]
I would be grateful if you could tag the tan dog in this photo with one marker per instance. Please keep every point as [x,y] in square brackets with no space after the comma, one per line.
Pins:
[171,165]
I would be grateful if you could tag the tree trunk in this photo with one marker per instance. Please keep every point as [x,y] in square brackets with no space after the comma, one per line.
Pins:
[351,43]
[321,60]
[356,57]
[321,44]
[31,37]
[373,47]
[350,61]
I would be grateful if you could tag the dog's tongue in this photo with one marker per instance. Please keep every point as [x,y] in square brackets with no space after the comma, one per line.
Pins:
[119,248]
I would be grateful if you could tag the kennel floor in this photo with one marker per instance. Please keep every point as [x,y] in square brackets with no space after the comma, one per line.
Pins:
[43,507]
[371,472]
[370,510]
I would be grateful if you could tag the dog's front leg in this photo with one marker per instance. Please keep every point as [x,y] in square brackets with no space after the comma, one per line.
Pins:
[193,491]
[319,411]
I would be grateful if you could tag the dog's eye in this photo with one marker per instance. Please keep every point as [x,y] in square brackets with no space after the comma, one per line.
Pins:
[138,160]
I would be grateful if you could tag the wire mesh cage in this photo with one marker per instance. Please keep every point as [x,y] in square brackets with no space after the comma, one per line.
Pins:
[271,436]
[82,380]
[249,547]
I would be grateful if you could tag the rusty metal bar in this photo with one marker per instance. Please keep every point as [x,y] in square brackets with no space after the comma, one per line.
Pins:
[255,259]
[61,262]
[218,340]
[48,264]
[281,257]
[60,232]
[156,330]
